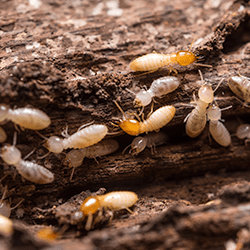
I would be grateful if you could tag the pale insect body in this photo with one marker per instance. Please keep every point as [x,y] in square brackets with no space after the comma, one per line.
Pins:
[6,226]
[154,61]
[114,200]
[196,120]
[158,88]
[75,157]
[29,118]
[243,131]
[5,208]
[150,140]
[157,120]
[83,138]
[217,129]
[3,136]
[240,85]
[28,170]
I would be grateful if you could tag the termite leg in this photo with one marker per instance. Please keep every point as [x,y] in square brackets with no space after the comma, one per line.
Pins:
[85,125]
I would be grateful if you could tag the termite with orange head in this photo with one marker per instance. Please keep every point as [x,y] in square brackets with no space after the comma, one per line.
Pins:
[154,61]
[240,85]
[157,120]
[150,140]
[29,118]
[197,119]
[28,170]
[117,200]
[217,129]
[75,157]
[84,137]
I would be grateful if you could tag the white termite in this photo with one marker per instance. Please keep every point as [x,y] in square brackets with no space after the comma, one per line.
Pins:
[217,129]
[27,169]
[150,140]
[29,118]
[240,85]
[243,131]
[197,119]
[75,157]
[3,136]
[158,88]
[81,139]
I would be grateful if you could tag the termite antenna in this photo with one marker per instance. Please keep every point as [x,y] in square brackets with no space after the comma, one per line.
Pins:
[226,108]
[123,152]
[218,85]
[42,136]
[42,157]
[192,43]
[202,80]
[130,91]
[119,107]
[29,154]
[203,65]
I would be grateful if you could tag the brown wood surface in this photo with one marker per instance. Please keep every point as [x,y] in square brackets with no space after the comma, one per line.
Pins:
[77,67]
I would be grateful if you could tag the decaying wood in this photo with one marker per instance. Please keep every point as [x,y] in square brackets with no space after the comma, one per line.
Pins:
[74,71]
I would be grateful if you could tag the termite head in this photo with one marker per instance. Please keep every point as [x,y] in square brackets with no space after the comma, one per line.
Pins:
[90,205]
[128,125]
[138,145]
[206,93]
[185,57]
[243,131]
[214,113]
[143,98]
[10,154]
[54,144]
[4,109]
[74,158]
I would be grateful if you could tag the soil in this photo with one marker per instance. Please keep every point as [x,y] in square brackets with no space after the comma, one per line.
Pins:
[71,60]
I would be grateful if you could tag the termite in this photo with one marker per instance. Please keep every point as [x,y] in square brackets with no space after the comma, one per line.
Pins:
[75,157]
[5,208]
[29,118]
[82,138]
[217,129]
[153,61]
[197,119]
[27,169]
[240,85]
[150,140]
[243,131]
[158,88]
[157,120]
[3,136]
[114,201]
